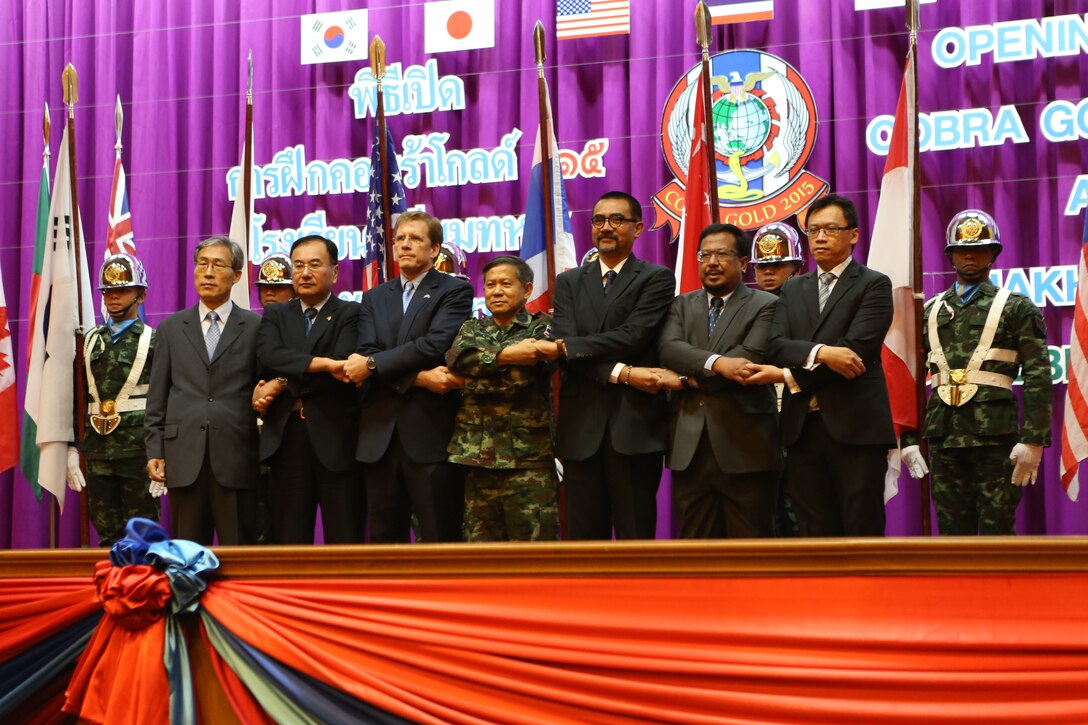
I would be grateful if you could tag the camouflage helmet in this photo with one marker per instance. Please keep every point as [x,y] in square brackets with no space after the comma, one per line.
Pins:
[121,271]
[451,260]
[590,256]
[776,242]
[972,228]
[275,269]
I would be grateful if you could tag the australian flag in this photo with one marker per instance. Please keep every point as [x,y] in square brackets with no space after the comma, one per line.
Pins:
[375,250]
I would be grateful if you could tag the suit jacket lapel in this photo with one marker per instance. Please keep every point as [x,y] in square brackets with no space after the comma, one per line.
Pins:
[811,295]
[842,285]
[698,315]
[738,299]
[231,332]
[420,299]
[626,276]
[321,323]
[594,291]
[194,333]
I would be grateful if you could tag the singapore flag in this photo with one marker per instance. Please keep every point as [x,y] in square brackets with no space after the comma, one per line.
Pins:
[458,25]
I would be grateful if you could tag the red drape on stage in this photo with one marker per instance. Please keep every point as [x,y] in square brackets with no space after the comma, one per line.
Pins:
[685,649]
[33,609]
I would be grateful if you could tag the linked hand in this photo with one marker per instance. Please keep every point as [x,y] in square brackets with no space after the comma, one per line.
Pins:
[644,379]
[668,380]
[734,368]
[916,462]
[1025,458]
[842,360]
[355,369]
[548,350]
[439,380]
[74,475]
[522,352]
[763,374]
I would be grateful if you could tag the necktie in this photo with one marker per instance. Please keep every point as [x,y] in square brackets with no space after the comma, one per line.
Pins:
[311,315]
[609,278]
[409,288]
[716,305]
[826,278]
[211,337]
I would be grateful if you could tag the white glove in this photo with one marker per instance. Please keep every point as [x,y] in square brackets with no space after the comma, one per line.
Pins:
[74,475]
[916,462]
[1025,459]
[156,489]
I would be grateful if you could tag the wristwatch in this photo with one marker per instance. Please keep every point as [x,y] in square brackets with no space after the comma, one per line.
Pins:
[371,365]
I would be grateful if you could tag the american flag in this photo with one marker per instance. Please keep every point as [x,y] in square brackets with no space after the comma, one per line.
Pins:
[1075,424]
[374,252]
[589,18]
[119,235]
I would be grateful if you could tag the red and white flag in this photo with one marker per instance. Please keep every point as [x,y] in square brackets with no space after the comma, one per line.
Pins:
[450,25]
[119,238]
[9,431]
[1075,423]
[891,252]
[697,212]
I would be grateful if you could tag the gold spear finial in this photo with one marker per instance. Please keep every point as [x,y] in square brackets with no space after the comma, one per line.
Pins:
[70,80]
[377,57]
[702,25]
[118,122]
[46,129]
[538,43]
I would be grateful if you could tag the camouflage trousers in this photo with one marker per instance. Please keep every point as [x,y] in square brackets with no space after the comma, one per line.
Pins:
[973,492]
[117,491]
[519,504]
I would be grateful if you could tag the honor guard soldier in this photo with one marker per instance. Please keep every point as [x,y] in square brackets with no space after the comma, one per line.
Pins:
[117,361]
[978,338]
[274,280]
[776,255]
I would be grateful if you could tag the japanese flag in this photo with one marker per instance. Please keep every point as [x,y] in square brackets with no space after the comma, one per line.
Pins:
[334,37]
[458,25]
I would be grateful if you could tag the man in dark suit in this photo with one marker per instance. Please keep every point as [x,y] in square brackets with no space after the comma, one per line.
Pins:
[406,325]
[829,327]
[200,431]
[611,432]
[724,450]
[310,431]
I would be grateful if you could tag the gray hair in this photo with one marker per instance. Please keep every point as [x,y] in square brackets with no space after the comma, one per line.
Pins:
[237,258]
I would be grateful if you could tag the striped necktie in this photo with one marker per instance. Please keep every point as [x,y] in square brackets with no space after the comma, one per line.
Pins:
[211,337]
[826,278]
[311,315]
[716,305]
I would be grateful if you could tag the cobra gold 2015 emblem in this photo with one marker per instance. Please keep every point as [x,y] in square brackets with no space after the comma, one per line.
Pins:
[770,244]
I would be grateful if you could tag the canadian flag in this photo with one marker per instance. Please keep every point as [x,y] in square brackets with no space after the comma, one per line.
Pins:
[452,25]
[891,253]
[9,431]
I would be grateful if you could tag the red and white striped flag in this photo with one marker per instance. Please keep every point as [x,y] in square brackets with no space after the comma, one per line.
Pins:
[9,427]
[697,211]
[1075,423]
[891,252]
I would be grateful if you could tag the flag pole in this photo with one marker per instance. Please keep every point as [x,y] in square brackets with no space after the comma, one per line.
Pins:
[916,261]
[545,156]
[377,67]
[702,31]
[247,158]
[70,80]
[118,124]
[46,133]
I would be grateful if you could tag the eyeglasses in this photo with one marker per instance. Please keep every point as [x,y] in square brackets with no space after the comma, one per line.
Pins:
[314,265]
[814,232]
[705,255]
[216,265]
[614,220]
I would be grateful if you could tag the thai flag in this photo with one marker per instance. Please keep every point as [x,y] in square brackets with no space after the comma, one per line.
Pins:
[534,238]
[375,250]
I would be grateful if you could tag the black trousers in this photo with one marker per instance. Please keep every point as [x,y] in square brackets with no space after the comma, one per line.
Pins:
[713,504]
[612,491]
[836,489]
[397,487]
[299,482]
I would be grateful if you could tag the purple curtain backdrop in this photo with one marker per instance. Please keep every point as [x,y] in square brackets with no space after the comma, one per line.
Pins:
[180,71]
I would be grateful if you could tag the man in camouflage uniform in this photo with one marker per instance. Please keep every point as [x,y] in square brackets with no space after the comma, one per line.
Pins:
[776,257]
[503,431]
[978,339]
[117,357]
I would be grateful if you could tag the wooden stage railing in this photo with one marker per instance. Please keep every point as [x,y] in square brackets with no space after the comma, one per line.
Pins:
[750,558]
